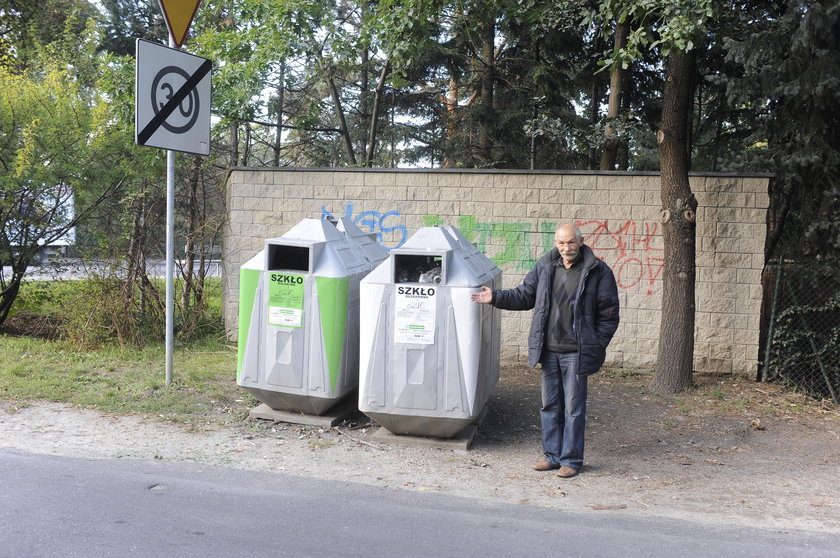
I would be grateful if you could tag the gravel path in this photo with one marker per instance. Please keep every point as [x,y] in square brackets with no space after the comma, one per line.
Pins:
[755,456]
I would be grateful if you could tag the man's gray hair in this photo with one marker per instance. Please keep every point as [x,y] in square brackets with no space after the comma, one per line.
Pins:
[578,234]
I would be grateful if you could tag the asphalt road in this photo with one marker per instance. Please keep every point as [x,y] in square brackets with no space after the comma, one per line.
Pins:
[56,506]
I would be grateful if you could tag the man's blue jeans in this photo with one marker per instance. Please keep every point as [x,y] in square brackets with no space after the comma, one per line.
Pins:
[563,414]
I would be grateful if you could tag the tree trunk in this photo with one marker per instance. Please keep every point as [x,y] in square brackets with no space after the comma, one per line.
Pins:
[611,142]
[364,114]
[488,50]
[339,113]
[623,156]
[374,117]
[246,149]
[188,272]
[9,294]
[278,133]
[674,363]
[449,161]
[234,143]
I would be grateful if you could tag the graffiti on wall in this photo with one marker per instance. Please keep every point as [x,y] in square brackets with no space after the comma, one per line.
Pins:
[515,239]
[633,249]
[385,227]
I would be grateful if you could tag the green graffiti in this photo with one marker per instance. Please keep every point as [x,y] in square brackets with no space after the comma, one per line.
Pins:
[547,233]
[515,239]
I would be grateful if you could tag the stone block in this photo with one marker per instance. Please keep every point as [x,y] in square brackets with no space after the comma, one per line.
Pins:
[715,305]
[708,365]
[507,209]
[756,185]
[257,177]
[728,216]
[591,197]
[556,196]
[707,199]
[653,200]
[391,193]
[723,184]
[736,261]
[477,180]
[359,192]
[299,191]
[348,178]
[509,353]
[419,180]
[613,182]
[646,316]
[422,193]
[246,190]
[381,179]
[445,209]
[414,208]
[518,195]
[459,194]
[445,181]
[328,192]
[473,209]
[645,213]
[713,335]
[510,181]
[747,368]
[488,194]
[627,197]
[544,182]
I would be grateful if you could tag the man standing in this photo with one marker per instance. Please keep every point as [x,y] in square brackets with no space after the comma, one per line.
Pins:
[575,302]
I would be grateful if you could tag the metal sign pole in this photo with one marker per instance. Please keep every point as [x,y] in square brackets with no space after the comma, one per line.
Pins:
[170,252]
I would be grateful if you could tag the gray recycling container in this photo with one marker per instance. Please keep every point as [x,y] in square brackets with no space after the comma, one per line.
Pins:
[429,356]
[299,315]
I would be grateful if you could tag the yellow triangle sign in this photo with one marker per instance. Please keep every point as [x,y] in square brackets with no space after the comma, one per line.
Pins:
[179,15]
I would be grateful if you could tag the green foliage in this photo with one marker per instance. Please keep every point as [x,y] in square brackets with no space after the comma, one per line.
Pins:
[26,28]
[88,366]
[665,25]
[105,310]
[125,21]
[126,380]
[805,343]
[787,65]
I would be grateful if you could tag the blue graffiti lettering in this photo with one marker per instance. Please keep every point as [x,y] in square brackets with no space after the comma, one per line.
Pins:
[387,236]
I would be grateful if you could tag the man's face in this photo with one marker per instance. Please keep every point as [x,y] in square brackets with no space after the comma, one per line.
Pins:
[567,243]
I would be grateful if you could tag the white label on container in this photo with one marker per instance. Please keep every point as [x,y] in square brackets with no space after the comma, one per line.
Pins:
[415,309]
[285,300]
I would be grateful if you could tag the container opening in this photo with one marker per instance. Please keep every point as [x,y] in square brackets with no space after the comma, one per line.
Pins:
[293,258]
[410,268]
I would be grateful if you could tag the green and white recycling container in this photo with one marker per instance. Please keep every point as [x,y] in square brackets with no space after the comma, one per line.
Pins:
[429,356]
[298,345]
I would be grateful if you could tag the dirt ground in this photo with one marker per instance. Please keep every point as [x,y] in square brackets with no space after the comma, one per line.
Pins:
[731,451]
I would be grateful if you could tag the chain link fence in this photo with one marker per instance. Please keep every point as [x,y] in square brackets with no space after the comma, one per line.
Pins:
[802,333]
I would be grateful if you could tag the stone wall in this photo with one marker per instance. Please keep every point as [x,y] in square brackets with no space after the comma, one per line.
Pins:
[511,216]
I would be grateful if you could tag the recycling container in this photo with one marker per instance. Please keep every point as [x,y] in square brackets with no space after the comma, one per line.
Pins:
[429,356]
[299,315]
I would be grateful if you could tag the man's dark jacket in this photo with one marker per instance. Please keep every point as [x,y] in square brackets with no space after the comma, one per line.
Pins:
[595,316]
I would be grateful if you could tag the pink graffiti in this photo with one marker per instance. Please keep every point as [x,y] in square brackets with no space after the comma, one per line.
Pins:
[633,250]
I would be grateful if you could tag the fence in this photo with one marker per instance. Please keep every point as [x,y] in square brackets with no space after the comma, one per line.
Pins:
[802,349]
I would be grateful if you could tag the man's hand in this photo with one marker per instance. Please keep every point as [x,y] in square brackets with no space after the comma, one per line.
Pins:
[485,296]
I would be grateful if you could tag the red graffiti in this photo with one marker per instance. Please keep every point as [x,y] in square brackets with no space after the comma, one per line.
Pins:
[633,251]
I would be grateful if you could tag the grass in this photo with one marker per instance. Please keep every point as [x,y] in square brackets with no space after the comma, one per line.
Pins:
[622,373]
[120,379]
[126,380]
